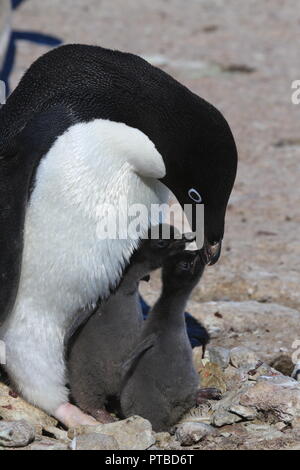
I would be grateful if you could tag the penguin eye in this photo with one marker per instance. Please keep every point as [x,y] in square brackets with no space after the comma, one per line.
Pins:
[194,195]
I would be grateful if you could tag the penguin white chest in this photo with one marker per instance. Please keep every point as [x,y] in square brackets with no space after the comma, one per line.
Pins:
[67,264]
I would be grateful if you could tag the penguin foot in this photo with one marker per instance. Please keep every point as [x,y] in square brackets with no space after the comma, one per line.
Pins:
[71,416]
[204,394]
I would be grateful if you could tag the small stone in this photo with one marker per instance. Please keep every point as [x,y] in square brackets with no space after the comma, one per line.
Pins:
[219,356]
[134,433]
[223,417]
[243,411]
[191,433]
[16,433]
[94,441]
[243,357]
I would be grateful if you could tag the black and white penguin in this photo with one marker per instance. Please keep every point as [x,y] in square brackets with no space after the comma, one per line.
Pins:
[85,127]
[161,382]
[101,346]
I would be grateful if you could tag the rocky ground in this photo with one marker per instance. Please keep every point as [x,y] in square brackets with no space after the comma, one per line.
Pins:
[260,408]
[243,57]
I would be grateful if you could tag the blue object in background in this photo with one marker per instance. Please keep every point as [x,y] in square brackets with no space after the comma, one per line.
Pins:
[16,3]
[36,38]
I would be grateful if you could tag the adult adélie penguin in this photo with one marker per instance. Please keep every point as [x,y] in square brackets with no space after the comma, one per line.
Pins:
[85,126]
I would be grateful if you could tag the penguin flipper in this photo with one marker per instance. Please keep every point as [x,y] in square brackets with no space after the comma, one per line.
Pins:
[142,347]
[17,170]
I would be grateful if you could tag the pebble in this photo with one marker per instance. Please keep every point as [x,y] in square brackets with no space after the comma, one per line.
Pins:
[219,356]
[243,357]
[191,433]
[16,433]
[223,417]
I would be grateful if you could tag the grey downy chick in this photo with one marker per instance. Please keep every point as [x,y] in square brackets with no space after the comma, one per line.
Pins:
[160,382]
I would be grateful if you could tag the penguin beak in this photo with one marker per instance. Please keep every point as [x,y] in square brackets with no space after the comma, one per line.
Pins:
[211,252]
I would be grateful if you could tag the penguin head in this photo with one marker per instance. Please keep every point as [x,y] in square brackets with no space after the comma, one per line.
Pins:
[159,246]
[182,271]
[202,170]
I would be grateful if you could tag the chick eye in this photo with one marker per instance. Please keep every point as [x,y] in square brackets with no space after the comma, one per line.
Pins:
[194,195]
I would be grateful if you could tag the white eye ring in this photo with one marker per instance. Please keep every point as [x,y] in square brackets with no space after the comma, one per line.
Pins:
[194,195]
